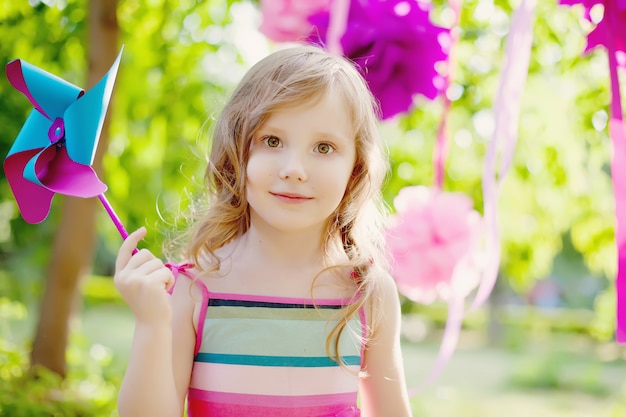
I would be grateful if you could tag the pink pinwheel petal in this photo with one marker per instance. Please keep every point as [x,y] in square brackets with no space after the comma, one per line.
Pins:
[33,200]
[58,173]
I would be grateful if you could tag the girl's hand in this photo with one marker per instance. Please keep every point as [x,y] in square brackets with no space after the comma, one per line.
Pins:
[143,282]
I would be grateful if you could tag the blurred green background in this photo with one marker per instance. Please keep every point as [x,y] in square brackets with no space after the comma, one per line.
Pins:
[542,346]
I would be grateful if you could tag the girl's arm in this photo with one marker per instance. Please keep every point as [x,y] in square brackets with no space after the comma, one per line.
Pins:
[151,385]
[383,388]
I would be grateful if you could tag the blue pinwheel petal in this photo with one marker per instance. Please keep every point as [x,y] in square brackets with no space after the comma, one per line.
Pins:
[48,93]
[34,134]
[85,117]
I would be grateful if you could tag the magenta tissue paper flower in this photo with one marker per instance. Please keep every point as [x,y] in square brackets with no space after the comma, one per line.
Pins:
[395,46]
[434,244]
[612,27]
[288,20]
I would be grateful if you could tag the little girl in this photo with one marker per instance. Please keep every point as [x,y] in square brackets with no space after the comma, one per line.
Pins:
[285,306]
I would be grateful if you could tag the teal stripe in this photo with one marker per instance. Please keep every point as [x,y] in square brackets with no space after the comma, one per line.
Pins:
[256,360]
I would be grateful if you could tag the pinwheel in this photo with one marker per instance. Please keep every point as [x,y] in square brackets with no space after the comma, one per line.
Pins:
[55,148]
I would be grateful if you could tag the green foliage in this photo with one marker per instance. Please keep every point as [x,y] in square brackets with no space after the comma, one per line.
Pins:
[58,34]
[182,58]
[89,390]
[100,290]
[559,182]
[559,371]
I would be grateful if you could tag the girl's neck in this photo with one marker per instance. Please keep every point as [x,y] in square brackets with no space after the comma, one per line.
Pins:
[281,264]
[283,249]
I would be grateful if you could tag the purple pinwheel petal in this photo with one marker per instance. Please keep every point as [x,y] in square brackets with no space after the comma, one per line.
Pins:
[33,200]
[58,173]
[33,203]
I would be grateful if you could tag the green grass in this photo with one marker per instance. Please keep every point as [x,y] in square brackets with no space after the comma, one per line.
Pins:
[546,379]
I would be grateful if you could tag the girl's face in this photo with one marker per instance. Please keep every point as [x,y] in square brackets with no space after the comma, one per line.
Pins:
[299,165]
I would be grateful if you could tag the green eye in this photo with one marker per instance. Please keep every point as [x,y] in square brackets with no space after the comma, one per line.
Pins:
[325,148]
[272,141]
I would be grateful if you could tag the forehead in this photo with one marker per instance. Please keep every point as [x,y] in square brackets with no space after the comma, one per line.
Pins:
[327,112]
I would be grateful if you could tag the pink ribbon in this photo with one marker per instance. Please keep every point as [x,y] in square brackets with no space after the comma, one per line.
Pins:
[456,304]
[506,114]
[339,10]
[618,174]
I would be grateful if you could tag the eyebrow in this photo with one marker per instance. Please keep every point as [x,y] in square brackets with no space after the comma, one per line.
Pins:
[324,134]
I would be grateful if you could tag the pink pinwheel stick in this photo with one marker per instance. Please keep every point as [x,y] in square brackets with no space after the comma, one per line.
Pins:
[116,220]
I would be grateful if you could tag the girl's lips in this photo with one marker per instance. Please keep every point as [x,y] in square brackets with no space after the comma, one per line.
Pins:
[291,198]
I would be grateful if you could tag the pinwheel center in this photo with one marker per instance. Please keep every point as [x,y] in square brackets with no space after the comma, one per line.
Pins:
[57,130]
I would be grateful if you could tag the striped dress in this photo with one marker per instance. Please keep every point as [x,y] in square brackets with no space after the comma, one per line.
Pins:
[259,356]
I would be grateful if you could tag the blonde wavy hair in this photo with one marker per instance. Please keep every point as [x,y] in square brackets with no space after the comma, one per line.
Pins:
[286,78]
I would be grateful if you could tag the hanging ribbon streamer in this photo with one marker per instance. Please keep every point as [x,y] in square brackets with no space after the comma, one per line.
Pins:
[456,303]
[339,10]
[506,115]
[618,173]
[611,33]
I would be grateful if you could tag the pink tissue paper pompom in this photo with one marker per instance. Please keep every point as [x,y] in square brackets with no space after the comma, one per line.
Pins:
[288,20]
[434,243]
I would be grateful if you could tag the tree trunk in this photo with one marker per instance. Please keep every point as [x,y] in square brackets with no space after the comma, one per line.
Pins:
[74,242]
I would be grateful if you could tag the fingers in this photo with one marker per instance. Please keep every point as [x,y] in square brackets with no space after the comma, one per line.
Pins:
[128,246]
[132,263]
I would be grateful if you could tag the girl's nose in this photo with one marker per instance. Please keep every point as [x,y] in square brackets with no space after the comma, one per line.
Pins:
[293,168]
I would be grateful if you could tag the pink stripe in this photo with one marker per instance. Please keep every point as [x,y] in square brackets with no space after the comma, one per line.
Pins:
[273,299]
[264,380]
[273,400]
[203,409]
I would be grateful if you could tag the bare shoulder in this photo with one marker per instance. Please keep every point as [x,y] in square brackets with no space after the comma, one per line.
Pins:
[186,297]
[185,300]
[383,386]
[384,309]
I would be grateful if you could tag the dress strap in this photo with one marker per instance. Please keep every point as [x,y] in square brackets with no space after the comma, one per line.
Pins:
[185,269]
